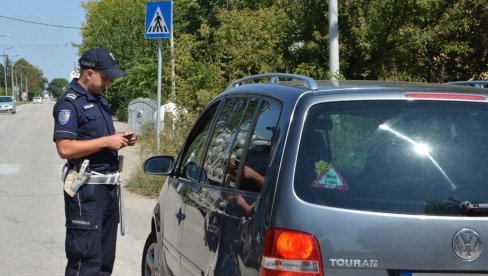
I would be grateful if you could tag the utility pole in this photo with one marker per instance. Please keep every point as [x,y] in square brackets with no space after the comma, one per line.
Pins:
[333,38]
[21,85]
[12,74]
[5,73]
[5,58]
[12,82]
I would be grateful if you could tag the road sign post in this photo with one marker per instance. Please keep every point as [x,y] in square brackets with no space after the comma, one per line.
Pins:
[159,24]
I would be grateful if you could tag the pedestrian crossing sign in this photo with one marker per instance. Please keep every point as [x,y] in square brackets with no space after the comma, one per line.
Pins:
[158,19]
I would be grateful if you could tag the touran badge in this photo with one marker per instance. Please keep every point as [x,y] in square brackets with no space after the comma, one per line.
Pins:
[467,244]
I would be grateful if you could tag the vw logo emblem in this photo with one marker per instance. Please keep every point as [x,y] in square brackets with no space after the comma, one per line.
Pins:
[467,244]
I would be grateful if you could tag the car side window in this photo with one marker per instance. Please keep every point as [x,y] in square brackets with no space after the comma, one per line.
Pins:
[257,157]
[245,126]
[194,151]
[227,132]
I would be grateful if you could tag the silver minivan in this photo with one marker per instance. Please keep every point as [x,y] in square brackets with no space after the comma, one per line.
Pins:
[285,175]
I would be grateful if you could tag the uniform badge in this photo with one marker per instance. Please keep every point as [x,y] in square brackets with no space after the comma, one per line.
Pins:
[88,106]
[63,117]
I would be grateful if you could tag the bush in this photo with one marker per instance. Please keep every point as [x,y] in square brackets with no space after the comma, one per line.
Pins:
[170,144]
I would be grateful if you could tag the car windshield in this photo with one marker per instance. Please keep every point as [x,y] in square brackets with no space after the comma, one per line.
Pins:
[410,157]
[5,99]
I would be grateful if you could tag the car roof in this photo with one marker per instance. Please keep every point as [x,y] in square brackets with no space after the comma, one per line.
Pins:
[294,86]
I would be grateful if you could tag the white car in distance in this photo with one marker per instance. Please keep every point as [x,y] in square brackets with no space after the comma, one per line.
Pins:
[37,100]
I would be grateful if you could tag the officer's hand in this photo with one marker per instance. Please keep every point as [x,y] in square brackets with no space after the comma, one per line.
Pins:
[130,136]
[132,140]
[116,141]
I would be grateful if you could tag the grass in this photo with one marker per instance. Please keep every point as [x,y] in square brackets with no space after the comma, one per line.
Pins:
[170,144]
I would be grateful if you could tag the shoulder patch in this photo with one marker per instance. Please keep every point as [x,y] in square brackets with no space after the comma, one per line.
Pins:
[63,116]
[71,96]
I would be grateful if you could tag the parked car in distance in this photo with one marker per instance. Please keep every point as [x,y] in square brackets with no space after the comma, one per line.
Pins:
[477,83]
[37,100]
[8,104]
[285,175]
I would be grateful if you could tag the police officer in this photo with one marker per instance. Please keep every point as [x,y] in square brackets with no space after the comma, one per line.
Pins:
[84,130]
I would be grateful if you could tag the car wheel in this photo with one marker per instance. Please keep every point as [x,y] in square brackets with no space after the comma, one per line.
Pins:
[13,112]
[150,257]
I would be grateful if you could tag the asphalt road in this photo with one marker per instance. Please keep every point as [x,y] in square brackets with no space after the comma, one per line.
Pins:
[31,199]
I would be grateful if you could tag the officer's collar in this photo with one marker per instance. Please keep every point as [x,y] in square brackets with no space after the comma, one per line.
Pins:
[78,89]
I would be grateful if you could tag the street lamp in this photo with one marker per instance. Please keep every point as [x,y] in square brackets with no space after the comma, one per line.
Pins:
[5,67]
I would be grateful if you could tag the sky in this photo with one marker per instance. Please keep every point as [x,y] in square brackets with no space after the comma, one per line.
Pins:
[46,47]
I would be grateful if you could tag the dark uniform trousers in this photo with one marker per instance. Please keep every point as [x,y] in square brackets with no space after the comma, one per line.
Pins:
[92,216]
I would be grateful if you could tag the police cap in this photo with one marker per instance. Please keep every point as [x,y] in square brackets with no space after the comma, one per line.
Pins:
[101,60]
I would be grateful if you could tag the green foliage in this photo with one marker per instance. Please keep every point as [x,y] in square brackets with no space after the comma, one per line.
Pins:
[170,141]
[247,41]
[30,74]
[218,41]
[57,86]
[425,40]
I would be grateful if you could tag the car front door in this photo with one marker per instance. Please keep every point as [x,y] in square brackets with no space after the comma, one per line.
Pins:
[179,186]
[205,206]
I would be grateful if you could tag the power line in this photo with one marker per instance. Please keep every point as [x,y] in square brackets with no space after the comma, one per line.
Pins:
[39,23]
[21,46]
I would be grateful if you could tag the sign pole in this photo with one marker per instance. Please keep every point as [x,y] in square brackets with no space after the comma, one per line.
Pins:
[159,24]
[160,69]
[172,46]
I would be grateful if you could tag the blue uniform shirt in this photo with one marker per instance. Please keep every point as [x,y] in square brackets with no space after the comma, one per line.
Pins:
[80,115]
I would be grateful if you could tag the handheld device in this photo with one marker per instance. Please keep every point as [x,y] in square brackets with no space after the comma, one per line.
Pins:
[128,135]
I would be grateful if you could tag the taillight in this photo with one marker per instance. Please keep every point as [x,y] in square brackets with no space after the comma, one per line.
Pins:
[288,253]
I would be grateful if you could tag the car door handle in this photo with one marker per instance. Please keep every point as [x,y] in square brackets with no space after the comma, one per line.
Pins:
[180,216]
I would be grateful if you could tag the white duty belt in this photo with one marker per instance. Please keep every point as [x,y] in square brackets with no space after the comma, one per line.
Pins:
[103,179]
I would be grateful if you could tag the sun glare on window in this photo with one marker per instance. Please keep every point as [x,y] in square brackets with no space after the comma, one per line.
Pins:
[421,149]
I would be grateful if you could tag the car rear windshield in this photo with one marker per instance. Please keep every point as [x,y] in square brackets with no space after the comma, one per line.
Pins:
[408,157]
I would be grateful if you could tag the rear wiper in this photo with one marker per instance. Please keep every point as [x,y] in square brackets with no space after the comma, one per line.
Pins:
[467,206]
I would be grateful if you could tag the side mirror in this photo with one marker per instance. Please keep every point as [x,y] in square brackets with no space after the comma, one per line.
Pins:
[158,165]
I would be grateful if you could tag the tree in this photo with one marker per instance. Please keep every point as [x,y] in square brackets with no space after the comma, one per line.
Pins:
[57,86]
[31,75]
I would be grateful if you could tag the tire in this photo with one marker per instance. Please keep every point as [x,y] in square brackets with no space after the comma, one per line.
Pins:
[150,265]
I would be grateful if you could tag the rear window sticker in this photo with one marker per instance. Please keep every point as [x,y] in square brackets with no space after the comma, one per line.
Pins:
[328,176]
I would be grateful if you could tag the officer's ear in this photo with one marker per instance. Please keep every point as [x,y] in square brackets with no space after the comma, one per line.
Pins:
[84,72]
[89,72]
